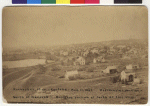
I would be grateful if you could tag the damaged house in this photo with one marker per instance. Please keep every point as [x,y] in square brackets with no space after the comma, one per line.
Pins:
[110,70]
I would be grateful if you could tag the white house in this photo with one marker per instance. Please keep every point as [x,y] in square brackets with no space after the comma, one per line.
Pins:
[130,67]
[71,74]
[123,76]
[99,59]
[80,61]
[111,49]
[65,53]
[127,75]
[85,53]
[95,51]
[132,51]
[94,60]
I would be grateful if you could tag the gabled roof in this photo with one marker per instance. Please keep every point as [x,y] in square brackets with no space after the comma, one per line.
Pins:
[128,70]
[79,58]
[111,67]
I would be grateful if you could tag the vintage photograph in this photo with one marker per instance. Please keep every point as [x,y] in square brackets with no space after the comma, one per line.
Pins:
[75,54]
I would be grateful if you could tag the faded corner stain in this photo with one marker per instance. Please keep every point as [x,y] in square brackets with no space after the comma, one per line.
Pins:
[4,100]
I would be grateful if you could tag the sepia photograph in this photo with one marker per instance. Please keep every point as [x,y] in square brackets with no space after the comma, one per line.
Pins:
[75,54]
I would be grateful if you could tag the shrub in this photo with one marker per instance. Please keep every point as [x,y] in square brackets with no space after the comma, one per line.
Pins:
[62,76]
[82,69]
[72,77]
[90,69]
[115,79]
[87,63]
[42,69]
[75,77]
[62,63]
[81,77]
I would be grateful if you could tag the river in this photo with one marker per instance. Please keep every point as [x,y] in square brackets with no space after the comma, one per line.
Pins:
[23,63]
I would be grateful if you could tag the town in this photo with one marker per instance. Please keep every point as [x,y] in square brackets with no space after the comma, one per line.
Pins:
[123,62]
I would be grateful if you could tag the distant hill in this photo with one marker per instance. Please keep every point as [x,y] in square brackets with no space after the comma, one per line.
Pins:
[131,42]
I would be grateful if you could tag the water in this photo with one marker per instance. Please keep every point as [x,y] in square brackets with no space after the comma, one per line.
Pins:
[23,63]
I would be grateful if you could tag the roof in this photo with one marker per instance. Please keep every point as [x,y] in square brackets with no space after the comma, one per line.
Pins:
[112,67]
[128,70]
[132,65]
[100,57]
[129,65]
[79,58]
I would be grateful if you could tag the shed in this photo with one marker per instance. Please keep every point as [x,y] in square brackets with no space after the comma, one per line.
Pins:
[131,66]
[110,70]
[71,74]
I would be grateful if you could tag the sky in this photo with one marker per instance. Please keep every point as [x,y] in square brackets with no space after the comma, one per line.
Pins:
[63,25]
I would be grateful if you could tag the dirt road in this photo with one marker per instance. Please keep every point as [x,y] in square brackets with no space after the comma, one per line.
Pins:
[13,76]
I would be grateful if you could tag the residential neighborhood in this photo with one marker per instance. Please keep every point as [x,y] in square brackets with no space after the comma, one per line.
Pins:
[75,54]
[118,61]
